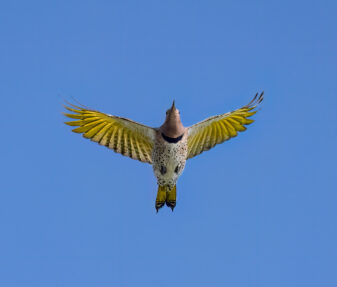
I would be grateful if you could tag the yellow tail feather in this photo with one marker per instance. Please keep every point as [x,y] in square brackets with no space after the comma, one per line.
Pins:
[165,195]
[171,198]
[161,197]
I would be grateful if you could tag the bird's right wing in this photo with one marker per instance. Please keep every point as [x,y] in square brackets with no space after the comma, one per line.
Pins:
[119,134]
[217,129]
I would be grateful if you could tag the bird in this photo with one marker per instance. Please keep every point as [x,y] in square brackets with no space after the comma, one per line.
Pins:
[166,148]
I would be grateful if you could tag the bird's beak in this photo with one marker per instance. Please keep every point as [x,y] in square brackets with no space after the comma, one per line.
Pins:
[173,107]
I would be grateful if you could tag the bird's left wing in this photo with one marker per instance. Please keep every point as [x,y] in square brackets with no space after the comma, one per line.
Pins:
[119,134]
[217,129]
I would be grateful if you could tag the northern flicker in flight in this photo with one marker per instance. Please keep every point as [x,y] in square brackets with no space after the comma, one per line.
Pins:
[166,148]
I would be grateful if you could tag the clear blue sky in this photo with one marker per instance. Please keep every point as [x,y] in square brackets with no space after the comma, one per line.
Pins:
[259,210]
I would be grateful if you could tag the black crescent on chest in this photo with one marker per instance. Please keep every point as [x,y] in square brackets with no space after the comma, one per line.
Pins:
[172,140]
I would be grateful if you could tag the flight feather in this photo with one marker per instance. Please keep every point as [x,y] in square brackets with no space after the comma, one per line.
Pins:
[217,129]
[122,135]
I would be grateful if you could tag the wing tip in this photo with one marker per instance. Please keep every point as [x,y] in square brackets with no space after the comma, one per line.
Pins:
[256,100]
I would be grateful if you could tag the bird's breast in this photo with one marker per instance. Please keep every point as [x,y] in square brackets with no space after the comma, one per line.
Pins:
[169,159]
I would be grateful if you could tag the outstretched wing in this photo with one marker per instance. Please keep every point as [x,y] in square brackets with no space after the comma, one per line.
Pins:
[119,134]
[217,129]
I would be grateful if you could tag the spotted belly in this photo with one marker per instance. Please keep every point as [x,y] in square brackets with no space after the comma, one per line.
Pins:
[169,161]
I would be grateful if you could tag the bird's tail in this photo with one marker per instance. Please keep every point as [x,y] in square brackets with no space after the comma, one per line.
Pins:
[166,195]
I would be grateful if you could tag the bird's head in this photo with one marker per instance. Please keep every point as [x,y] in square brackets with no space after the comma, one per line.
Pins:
[172,126]
[173,112]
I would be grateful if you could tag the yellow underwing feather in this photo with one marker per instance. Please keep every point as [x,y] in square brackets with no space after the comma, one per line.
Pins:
[219,137]
[90,134]
[201,141]
[105,141]
[217,129]
[73,116]
[119,134]
[237,125]
[99,136]
[212,135]
[135,154]
[224,129]
[231,129]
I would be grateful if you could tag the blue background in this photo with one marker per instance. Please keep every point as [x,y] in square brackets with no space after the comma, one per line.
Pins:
[259,210]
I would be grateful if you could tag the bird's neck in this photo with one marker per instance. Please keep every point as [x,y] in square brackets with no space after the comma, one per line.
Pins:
[172,127]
